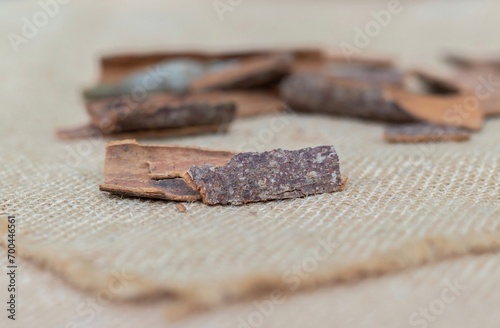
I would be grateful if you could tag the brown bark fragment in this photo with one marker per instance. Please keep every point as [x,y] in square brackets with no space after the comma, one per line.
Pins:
[158,115]
[89,131]
[480,82]
[116,67]
[276,174]
[248,102]
[422,132]
[324,93]
[255,72]
[168,189]
[159,111]
[379,98]
[127,172]
[181,208]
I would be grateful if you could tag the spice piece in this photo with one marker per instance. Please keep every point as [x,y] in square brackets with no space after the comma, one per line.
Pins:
[181,208]
[171,76]
[324,93]
[255,72]
[127,172]
[422,132]
[89,131]
[159,111]
[387,101]
[452,109]
[115,68]
[169,189]
[277,174]
[158,115]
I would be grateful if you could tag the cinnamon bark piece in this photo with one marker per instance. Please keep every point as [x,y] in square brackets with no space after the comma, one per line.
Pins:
[181,208]
[159,111]
[89,131]
[173,76]
[168,189]
[117,67]
[110,111]
[127,172]
[158,115]
[255,72]
[422,132]
[277,174]
[323,93]
[452,109]
[479,82]
[389,102]
[248,103]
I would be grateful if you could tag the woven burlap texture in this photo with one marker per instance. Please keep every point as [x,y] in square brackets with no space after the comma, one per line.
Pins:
[396,194]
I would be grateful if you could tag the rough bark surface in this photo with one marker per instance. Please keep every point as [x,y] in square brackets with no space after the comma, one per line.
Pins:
[276,174]
[159,111]
[323,93]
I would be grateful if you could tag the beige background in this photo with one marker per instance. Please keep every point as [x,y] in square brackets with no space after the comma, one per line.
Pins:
[395,194]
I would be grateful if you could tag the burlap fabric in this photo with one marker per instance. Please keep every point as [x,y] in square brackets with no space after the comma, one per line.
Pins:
[426,203]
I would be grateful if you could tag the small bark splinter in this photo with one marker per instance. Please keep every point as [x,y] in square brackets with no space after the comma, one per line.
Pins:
[422,132]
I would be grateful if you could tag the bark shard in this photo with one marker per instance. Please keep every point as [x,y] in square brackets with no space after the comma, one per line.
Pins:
[324,93]
[159,111]
[422,132]
[127,169]
[277,174]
